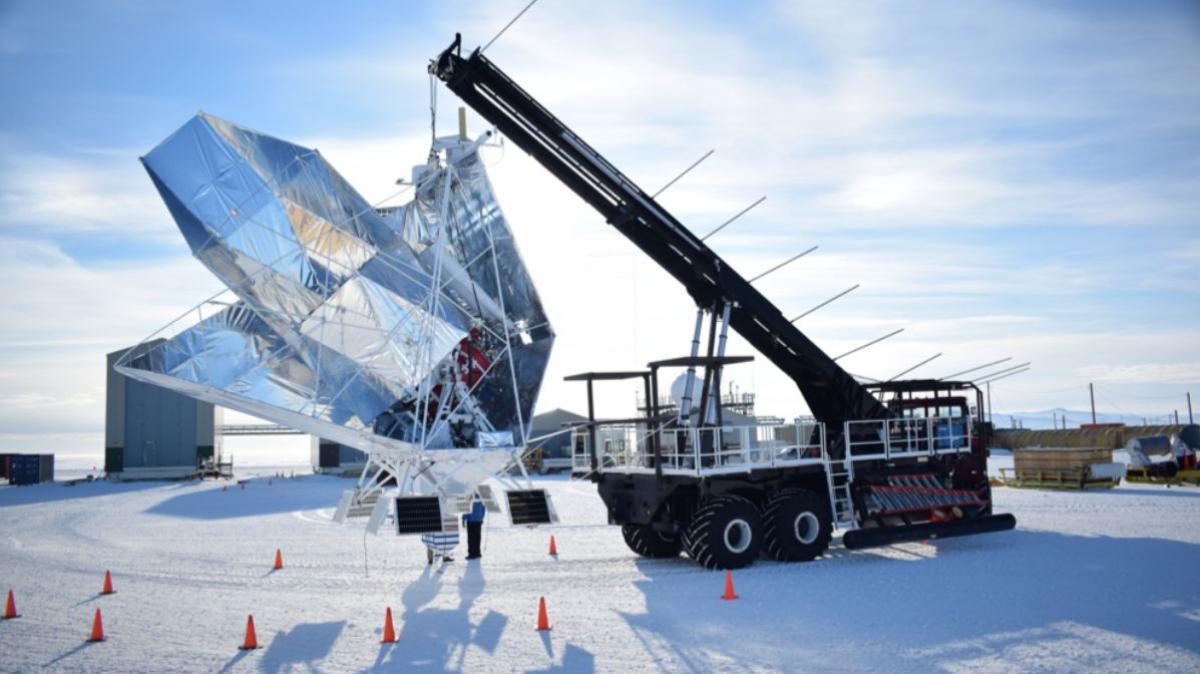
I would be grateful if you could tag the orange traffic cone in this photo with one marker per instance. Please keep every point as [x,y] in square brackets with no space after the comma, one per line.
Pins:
[729,593]
[543,624]
[97,628]
[278,559]
[251,641]
[553,547]
[389,632]
[10,608]
[108,588]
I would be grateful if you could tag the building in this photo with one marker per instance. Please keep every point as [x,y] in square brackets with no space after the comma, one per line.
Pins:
[554,452]
[337,459]
[151,432]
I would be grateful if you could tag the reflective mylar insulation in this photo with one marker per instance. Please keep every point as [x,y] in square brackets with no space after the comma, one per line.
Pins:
[413,329]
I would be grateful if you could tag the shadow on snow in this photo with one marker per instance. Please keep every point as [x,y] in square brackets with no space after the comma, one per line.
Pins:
[1014,601]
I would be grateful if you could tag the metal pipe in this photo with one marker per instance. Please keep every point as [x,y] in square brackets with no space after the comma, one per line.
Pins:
[870,343]
[708,370]
[715,398]
[927,360]
[977,367]
[1006,376]
[845,292]
[983,377]
[783,264]
[685,172]
[592,426]
[685,403]
[730,220]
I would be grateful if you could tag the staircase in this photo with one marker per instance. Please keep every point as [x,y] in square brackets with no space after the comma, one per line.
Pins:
[839,474]
[356,503]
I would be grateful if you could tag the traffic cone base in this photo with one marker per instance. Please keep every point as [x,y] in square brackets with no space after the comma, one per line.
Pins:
[108,588]
[97,628]
[389,631]
[251,641]
[543,622]
[278,559]
[729,593]
[10,608]
[553,547]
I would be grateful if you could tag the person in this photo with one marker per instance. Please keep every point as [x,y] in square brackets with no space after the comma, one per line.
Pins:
[474,520]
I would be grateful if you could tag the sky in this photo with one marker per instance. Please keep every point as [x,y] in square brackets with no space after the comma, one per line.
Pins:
[1003,179]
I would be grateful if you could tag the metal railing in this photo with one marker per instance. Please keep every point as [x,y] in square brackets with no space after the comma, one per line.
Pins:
[630,448]
[888,439]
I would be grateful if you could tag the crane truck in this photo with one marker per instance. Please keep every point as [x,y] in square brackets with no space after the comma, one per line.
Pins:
[685,479]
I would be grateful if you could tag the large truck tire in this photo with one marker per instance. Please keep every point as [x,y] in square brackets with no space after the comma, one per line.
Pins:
[797,525]
[649,542]
[725,532]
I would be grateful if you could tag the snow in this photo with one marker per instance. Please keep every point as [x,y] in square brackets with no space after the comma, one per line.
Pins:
[1098,581]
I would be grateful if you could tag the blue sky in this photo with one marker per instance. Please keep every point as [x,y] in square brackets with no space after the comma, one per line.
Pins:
[1004,179]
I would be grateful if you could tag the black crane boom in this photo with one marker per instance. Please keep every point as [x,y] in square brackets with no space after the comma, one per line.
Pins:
[832,394]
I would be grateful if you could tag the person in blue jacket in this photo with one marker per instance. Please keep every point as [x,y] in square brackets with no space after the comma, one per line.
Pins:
[474,520]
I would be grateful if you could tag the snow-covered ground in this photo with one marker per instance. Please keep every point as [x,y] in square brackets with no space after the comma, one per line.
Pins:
[1103,581]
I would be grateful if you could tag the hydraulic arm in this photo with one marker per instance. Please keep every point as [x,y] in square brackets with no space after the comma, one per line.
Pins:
[832,394]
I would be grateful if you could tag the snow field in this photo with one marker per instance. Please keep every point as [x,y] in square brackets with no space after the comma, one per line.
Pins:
[1090,581]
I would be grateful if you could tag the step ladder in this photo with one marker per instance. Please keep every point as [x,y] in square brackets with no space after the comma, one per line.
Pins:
[839,474]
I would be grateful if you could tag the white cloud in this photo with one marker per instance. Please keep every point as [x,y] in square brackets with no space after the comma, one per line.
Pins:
[1186,372]
[104,191]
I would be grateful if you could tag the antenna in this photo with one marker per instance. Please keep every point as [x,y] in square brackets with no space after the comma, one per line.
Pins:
[783,264]
[507,26]
[870,343]
[977,367]
[1005,376]
[927,360]
[845,292]
[984,377]
[730,220]
[685,172]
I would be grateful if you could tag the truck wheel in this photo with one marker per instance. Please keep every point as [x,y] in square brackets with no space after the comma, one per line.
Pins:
[798,526]
[649,542]
[724,533]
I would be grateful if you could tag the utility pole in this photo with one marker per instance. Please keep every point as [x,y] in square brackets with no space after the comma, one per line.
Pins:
[1191,419]
[1176,417]
[1092,394]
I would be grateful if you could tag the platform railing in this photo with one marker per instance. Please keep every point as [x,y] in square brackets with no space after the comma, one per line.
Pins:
[888,439]
[630,448]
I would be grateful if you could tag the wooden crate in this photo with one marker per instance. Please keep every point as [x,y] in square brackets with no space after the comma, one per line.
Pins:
[1059,458]
[1062,467]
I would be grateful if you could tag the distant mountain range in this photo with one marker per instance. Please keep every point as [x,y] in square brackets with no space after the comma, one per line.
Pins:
[1053,418]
